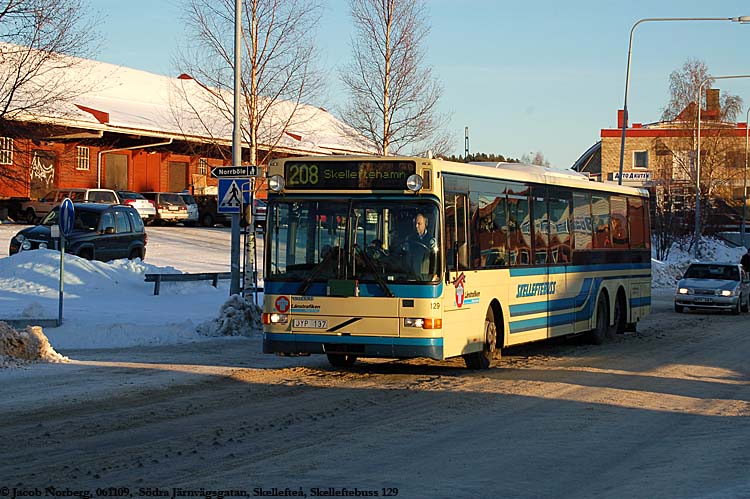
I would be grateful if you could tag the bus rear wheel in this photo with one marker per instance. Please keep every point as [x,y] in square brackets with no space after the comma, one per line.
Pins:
[483,359]
[341,359]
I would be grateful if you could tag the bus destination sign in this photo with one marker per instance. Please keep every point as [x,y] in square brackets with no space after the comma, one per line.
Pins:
[348,175]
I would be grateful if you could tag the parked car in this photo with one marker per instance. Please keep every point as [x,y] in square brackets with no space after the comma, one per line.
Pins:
[36,210]
[145,207]
[722,286]
[192,208]
[100,232]
[170,208]
[208,213]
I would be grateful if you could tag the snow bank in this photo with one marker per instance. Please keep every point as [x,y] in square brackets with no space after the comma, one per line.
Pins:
[237,317]
[665,274]
[29,345]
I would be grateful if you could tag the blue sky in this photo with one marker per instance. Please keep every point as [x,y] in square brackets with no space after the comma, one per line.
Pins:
[539,75]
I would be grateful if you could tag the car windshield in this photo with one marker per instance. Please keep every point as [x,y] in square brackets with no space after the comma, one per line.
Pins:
[130,195]
[169,198]
[377,241]
[728,272]
[188,198]
[84,220]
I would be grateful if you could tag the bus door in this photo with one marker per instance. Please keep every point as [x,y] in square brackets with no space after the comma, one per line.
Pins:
[562,294]
[456,236]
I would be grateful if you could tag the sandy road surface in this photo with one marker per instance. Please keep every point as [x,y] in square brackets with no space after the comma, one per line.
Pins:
[660,413]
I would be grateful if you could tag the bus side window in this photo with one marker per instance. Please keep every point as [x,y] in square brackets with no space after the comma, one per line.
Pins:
[601,216]
[619,207]
[582,226]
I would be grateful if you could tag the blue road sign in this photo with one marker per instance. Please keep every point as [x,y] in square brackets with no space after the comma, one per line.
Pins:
[67,216]
[233,194]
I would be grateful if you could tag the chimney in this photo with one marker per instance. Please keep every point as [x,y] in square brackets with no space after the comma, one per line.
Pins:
[620,115]
[712,100]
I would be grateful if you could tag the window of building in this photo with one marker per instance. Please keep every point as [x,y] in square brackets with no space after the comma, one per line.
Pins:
[83,158]
[640,159]
[202,166]
[6,151]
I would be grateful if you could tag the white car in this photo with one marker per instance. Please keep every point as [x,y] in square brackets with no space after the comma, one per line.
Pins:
[192,208]
[170,208]
[713,285]
[145,208]
[36,210]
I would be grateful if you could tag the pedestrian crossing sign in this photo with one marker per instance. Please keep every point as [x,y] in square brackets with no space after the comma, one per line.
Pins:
[234,193]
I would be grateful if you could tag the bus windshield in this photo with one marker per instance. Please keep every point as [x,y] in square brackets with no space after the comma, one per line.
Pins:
[386,242]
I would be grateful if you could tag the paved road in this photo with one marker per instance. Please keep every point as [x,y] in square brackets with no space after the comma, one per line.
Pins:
[660,413]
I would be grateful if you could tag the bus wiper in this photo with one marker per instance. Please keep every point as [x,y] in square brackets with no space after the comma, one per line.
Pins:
[378,275]
[316,271]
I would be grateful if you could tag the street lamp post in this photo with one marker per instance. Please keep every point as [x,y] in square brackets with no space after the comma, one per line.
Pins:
[739,19]
[697,233]
[744,179]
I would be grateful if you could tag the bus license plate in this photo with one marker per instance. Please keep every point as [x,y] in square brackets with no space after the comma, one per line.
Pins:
[310,323]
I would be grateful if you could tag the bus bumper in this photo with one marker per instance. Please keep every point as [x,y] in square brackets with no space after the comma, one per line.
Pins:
[361,346]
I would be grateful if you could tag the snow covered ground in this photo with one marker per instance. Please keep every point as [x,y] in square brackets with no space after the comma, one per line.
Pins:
[108,305]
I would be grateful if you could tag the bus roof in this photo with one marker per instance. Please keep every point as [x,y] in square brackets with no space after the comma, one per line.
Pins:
[513,172]
[522,172]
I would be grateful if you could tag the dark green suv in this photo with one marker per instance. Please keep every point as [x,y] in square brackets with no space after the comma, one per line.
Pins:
[100,232]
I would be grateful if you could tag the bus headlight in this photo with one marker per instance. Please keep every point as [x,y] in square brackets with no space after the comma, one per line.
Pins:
[414,182]
[276,183]
[423,323]
[274,318]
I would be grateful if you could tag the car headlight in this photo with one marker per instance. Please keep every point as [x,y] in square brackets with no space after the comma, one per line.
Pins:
[20,238]
[683,291]
[42,245]
[727,292]
[26,244]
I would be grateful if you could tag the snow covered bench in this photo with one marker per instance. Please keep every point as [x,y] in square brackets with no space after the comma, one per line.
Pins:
[214,277]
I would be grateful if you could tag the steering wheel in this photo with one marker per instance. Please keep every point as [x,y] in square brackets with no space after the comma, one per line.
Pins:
[420,245]
[375,253]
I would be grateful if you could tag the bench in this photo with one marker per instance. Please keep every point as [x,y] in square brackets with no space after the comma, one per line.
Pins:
[214,277]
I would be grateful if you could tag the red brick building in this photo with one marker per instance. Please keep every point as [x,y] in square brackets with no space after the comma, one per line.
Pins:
[662,154]
[145,132]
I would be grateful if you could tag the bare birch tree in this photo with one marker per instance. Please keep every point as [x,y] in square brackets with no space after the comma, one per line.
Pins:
[720,162]
[278,56]
[35,38]
[393,96]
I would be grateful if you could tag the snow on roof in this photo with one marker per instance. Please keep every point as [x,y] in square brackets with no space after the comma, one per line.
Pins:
[120,99]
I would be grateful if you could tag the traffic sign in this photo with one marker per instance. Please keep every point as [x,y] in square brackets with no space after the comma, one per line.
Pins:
[234,171]
[67,216]
[233,194]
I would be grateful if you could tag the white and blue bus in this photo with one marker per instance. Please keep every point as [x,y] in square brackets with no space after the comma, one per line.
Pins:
[404,257]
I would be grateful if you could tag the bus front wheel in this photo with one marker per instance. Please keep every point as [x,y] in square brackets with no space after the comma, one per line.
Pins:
[483,358]
[341,359]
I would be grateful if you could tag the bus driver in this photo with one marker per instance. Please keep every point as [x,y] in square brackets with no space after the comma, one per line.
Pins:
[420,247]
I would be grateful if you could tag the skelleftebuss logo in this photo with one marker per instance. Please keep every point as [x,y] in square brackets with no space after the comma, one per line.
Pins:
[282,304]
